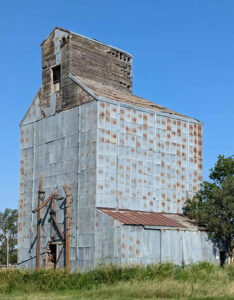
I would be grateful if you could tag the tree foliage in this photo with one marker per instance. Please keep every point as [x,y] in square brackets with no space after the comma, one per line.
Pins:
[213,206]
[8,225]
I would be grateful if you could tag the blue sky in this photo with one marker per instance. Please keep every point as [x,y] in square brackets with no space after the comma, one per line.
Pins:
[183,59]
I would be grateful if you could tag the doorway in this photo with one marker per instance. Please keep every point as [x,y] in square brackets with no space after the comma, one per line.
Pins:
[222,256]
[51,256]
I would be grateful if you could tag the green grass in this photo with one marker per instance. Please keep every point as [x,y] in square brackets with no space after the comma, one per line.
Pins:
[165,281]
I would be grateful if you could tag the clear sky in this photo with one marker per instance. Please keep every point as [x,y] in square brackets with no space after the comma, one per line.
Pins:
[183,59]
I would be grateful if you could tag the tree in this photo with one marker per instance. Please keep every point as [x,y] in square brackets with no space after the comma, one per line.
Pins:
[213,205]
[8,224]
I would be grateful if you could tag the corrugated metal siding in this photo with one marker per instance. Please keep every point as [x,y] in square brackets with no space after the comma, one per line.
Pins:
[139,245]
[51,146]
[107,237]
[146,161]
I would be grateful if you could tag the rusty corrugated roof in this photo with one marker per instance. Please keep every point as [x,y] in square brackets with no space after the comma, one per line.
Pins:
[133,217]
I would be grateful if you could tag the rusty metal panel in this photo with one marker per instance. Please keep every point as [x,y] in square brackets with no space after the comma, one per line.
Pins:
[156,158]
[107,238]
[141,246]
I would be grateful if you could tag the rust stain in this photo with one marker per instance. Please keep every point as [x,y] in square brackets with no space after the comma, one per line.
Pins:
[22,171]
[102,115]
[138,145]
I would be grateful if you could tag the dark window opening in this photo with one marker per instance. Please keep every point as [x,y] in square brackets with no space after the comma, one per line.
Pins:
[222,258]
[56,74]
[56,77]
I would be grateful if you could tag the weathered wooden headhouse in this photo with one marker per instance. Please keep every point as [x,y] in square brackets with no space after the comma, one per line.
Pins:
[130,165]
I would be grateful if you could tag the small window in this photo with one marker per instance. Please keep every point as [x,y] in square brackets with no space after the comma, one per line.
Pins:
[56,76]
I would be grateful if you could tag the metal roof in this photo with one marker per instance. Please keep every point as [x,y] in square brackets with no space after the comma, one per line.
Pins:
[133,217]
[97,90]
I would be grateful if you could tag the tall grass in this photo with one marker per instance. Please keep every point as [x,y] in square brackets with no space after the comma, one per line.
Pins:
[164,280]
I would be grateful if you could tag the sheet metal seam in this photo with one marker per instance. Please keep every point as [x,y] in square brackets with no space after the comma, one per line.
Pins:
[188,162]
[154,173]
[33,186]
[78,188]
[117,158]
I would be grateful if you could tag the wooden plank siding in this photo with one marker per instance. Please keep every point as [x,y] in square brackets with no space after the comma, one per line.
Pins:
[86,58]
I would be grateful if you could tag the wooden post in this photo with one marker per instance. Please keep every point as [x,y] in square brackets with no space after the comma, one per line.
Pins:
[67,190]
[40,201]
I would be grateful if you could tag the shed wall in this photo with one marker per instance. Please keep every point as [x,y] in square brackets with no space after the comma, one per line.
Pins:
[107,240]
[144,246]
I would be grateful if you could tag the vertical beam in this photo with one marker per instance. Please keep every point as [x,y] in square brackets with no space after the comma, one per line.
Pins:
[40,199]
[161,246]
[51,219]
[67,190]
[7,250]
